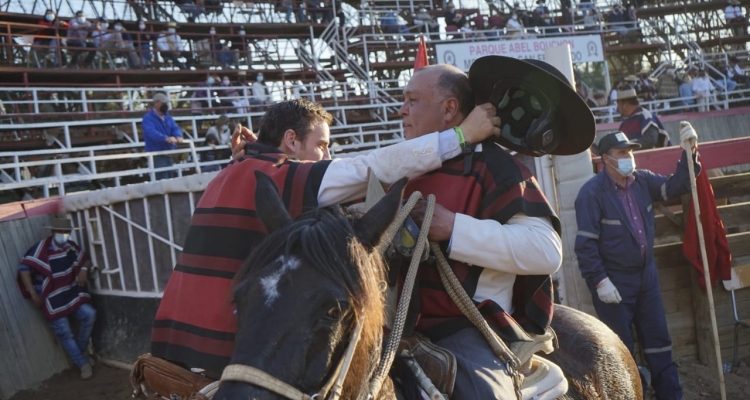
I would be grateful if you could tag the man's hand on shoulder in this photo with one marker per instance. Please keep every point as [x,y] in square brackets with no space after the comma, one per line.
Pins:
[241,137]
[481,123]
[441,227]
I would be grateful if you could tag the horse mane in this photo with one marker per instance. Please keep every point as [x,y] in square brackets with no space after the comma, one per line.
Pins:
[325,239]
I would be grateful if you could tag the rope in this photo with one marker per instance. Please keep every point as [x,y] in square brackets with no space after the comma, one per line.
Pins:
[389,352]
[452,286]
[467,307]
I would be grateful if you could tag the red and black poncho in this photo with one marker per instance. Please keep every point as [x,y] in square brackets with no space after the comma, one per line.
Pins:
[195,323]
[498,187]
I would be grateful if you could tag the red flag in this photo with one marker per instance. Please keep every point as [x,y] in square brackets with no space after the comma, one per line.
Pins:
[717,249]
[421,60]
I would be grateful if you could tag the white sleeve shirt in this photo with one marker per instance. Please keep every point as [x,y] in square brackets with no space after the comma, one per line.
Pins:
[523,246]
[346,179]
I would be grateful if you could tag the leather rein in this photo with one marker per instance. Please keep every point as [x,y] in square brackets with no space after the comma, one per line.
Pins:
[332,388]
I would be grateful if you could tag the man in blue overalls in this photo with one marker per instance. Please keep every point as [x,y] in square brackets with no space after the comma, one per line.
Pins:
[615,250]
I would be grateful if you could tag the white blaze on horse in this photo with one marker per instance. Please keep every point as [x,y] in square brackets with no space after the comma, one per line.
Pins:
[311,311]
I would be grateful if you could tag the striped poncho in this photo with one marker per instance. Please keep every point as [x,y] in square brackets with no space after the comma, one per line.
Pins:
[58,267]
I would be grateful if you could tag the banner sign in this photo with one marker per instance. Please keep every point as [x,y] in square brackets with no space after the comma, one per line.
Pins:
[586,48]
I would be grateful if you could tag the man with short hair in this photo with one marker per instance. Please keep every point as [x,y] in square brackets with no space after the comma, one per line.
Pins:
[639,124]
[161,133]
[615,250]
[292,148]
[78,33]
[170,47]
[54,275]
[494,223]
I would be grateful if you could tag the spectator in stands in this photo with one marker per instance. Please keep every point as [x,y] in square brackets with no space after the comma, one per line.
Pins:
[592,20]
[389,24]
[100,32]
[631,18]
[567,15]
[230,96]
[613,97]
[702,87]
[735,72]
[523,15]
[645,86]
[54,275]
[631,81]
[514,27]
[425,21]
[241,45]
[220,54]
[170,47]
[454,18]
[190,8]
[142,41]
[121,40]
[667,86]
[639,125]
[204,98]
[496,23]
[340,14]
[312,10]
[724,83]
[49,36]
[686,87]
[736,20]
[78,33]
[287,6]
[616,20]
[260,95]
[161,133]
[210,155]
[222,130]
[542,17]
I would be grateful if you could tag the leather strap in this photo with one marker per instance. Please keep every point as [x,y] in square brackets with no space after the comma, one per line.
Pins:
[247,374]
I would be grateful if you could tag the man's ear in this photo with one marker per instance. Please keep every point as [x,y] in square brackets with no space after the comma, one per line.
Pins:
[289,139]
[450,108]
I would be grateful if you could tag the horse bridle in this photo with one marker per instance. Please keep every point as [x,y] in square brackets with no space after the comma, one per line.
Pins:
[256,377]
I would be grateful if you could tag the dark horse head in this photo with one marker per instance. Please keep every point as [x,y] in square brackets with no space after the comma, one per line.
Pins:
[301,292]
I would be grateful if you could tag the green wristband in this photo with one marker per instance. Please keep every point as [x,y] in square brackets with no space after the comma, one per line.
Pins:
[461,139]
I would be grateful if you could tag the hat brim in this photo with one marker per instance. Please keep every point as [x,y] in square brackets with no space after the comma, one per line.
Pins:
[577,126]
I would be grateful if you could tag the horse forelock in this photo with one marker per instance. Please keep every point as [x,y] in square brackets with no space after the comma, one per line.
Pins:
[324,240]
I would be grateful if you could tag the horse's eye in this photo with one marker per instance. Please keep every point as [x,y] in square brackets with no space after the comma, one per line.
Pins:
[334,313]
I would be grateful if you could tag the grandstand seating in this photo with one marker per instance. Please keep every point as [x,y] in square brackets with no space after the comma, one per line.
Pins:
[355,69]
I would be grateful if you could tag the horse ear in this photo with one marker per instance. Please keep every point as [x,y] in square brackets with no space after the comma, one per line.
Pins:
[268,204]
[370,228]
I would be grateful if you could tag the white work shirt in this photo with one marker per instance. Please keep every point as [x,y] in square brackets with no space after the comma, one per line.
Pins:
[260,91]
[702,84]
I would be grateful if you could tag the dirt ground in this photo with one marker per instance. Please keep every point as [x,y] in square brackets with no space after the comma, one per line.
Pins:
[699,382]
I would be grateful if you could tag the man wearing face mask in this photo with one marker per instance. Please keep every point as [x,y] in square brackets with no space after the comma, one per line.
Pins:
[260,95]
[142,41]
[615,250]
[49,36]
[170,47]
[161,133]
[78,33]
[54,274]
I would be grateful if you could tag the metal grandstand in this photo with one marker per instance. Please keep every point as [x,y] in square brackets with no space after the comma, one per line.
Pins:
[356,69]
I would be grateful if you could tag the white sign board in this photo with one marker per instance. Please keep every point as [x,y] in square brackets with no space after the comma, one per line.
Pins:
[582,49]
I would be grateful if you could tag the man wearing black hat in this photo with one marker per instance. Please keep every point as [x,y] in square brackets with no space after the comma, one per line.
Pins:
[615,250]
[500,235]
[54,274]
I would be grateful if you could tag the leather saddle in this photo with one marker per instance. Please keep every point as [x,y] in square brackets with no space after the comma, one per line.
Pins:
[155,377]
[438,364]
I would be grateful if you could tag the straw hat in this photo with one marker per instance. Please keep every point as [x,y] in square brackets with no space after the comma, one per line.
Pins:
[626,94]
[61,224]
[172,24]
[632,78]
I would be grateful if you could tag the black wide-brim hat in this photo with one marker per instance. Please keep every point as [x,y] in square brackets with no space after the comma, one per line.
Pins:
[572,127]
